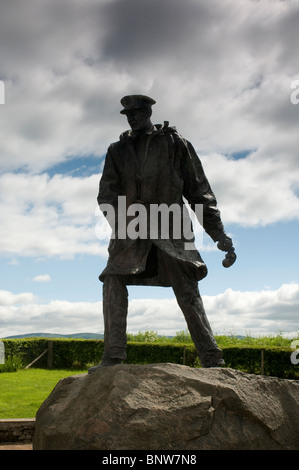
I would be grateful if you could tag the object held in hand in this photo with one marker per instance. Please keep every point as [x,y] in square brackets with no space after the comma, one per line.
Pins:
[230,258]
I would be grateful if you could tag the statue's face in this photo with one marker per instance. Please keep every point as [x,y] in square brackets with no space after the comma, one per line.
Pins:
[138,119]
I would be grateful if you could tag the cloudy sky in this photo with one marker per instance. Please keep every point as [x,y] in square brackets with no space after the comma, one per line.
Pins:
[226,74]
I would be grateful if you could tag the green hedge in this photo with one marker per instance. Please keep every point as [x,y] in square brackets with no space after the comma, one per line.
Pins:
[27,349]
[81,352]
[68,353]
[276,361]
[150,353]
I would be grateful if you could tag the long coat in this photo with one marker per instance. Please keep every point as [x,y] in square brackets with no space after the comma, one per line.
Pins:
[159,168]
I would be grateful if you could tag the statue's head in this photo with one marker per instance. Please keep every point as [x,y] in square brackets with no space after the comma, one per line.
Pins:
[138,109]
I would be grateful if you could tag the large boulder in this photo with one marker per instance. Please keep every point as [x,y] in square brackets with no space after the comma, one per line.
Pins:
[169,407]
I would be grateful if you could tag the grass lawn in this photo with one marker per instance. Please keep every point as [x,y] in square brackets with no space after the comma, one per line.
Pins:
[22,392]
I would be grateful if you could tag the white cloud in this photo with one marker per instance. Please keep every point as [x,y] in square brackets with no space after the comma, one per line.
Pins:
[256,190]
[255,313]
[42,278]
[55,317]
[9,299]
[49,216]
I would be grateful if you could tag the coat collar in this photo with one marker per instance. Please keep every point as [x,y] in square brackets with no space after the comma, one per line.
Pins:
[132,135]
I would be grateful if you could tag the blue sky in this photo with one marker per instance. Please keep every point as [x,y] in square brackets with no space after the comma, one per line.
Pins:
[226,89]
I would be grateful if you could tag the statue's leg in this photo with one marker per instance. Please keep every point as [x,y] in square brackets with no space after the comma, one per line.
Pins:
[190,302]
[115,310]
[185,287]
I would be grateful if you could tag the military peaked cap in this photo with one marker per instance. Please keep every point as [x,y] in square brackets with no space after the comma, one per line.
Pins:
[136,102]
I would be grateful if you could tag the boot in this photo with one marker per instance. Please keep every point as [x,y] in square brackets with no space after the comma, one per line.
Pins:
[213,363]
[104,363]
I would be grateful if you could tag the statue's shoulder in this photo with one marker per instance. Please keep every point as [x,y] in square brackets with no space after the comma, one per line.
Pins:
[114,147]
[124,135]
[171,133]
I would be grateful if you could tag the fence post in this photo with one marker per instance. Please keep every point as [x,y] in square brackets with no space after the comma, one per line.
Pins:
[50,355]
[184,356]
[262,361]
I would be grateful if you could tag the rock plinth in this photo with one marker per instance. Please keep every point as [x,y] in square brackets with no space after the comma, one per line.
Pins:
[169,407]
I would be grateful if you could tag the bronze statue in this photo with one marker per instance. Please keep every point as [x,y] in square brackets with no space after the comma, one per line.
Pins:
[153,167]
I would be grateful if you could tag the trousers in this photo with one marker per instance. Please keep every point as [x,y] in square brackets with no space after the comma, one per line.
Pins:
[115,311]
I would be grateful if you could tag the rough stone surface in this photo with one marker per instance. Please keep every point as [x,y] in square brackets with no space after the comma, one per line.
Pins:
[169,407]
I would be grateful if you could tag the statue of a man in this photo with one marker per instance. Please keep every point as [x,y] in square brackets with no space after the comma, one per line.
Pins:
[152,166]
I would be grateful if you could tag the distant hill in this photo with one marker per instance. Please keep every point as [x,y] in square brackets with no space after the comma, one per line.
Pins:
[75,335]
[54,335]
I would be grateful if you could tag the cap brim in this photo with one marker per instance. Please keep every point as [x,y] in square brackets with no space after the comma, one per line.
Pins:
[125,111]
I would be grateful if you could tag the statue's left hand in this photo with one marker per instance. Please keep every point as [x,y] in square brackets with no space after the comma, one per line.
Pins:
[225,243]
